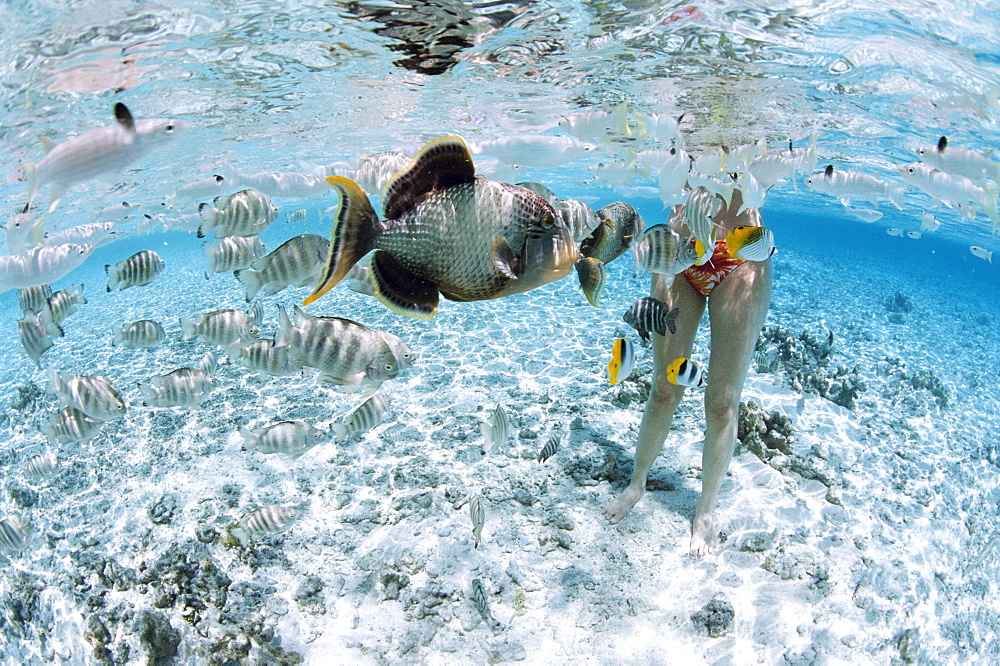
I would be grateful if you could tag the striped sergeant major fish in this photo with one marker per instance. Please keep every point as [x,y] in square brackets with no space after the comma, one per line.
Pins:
[364,418]
[93,395]
[142,334]
[226,328]
[137,271]
[478,515]
[549,449]
[496,430]
[63,303]
[35,331]
[344,352]
[660,249]
[183,387]
[267,520]
[263,357]
[41,467]
[232,253]
[70,425]
[299,261]
[651,314]
[14,534]
[33,299]
[292,438]
[246,213]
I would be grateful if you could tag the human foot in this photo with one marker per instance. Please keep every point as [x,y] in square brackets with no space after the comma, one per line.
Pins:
[621,506]
[704,538]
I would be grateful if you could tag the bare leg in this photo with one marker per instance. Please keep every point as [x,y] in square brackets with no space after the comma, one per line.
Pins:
[663,396]
[736,309]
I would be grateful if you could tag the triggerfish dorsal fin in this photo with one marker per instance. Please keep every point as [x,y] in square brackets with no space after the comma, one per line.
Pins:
[352,236]
[124,118]
[400,290]
[440,164]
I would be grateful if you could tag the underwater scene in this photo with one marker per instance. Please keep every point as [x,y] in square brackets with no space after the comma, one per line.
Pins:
[351,332]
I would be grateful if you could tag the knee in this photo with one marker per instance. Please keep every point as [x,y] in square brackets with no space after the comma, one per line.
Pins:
[721,409]
[664,395]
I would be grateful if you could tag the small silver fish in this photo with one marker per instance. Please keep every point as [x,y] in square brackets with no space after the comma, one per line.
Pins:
[43,264]
[93,395]
[142,334]
[256,313]
[284,184]
[232,253]
[267,520]
[293,438]
[478,514]
[361,420]
[202,188]
[374,171]
[246,213]
[70,425]
[184,387]
[33,299]
[226,328]
[298,261]
[100,152]
[14,534]
[345,352]
[63,303]
[660,249]
[23,232]
[651,314]
[114,213]
[35,332]
[549,449]
[137,271]
[97,234]
[496,430]
[263,357]
[40,467]
[297,215]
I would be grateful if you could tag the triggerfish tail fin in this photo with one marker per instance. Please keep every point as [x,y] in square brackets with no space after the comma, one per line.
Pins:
[622,360]
[593,276]
[355,226]
[440,164]
[400,290]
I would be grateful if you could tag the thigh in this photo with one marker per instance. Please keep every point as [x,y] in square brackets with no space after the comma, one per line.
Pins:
[678,293]
[736,309]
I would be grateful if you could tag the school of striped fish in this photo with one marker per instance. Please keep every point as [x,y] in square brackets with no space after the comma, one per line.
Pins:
[530,237]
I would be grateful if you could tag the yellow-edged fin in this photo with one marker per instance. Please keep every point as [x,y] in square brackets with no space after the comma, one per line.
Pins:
[593,276]
[703,254]
[352,236]
[622,360]
[439,164]
[400,290]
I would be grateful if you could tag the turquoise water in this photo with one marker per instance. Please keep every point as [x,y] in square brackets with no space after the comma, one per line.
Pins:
[882,522]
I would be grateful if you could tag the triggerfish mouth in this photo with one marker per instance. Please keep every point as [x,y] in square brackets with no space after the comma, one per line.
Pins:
[446,232]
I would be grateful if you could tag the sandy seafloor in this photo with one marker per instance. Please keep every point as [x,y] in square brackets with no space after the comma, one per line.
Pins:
[874,541]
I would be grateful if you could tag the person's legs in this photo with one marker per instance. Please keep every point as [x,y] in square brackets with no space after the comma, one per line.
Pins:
[663,396]
[736,309]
